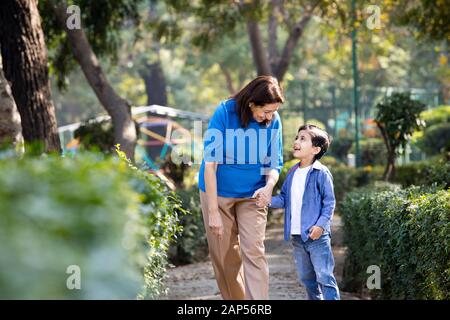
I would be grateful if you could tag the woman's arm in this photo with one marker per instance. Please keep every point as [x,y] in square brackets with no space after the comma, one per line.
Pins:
[214,218]
[272,178]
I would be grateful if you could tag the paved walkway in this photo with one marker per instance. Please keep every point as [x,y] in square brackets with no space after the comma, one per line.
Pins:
[197,282]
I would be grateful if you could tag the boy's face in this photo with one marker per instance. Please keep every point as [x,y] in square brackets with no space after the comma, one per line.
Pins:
[303,148]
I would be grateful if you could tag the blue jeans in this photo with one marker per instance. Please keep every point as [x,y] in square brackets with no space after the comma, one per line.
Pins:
[315,265]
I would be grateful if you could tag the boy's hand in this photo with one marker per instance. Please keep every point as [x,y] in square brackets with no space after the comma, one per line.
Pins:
[315,232]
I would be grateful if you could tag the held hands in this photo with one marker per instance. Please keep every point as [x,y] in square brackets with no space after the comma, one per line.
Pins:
[315,232]
[263,196]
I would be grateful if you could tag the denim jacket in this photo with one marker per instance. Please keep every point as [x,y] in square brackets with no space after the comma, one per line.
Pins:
[318,200]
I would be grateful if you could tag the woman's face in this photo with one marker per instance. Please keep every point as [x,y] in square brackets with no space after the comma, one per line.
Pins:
[264,113]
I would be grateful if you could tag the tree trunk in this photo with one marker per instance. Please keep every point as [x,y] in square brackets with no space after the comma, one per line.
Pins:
[389,171]
[10,125]
[155,84]
[25,64]
[117,107]
[259,53]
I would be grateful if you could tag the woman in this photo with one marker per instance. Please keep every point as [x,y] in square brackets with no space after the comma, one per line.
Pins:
[242,159]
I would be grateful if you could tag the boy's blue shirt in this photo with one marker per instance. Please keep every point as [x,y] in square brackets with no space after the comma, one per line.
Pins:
[318,200]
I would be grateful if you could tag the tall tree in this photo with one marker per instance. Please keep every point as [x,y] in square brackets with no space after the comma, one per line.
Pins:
[219,18]
[25,64]
[10,125]
[397,118]
[430,19]
[117,107]
[152,71]
[96,34]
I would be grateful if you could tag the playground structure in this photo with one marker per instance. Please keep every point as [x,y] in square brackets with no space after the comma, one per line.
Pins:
[158,134]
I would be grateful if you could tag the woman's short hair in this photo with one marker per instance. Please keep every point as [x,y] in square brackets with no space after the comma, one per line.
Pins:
[260,91]
[319,138]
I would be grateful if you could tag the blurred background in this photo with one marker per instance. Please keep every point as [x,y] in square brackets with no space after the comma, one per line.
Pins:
[78,77]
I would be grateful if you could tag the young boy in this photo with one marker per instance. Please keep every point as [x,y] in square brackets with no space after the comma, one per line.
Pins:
[308,199]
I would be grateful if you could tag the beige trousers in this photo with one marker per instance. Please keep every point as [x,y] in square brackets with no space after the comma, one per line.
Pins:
[238,259]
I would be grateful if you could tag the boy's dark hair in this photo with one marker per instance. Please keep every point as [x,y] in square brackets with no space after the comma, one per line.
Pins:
[261,91]
[319,137]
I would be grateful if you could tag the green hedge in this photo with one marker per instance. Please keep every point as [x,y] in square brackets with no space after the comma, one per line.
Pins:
[435,139]
[406,233]
[192,245]
[114,222]
[435,170]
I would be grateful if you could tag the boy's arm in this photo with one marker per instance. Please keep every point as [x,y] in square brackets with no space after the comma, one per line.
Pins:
[279,200]
[328,201]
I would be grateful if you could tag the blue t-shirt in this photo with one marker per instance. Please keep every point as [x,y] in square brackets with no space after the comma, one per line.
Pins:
[243,154]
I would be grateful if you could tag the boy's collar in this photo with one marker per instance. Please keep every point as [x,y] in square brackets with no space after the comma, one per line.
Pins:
[315,165]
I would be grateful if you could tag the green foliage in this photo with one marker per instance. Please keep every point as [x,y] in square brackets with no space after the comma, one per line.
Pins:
[101,21]
[346,179]
[398,117]
[436,136]
[404,232]
[436,139]
[191,246]
[340,148]
[160,211]
[427,17]
[114,222]
[434,170]
[373,152]
[437,115]
[96,136]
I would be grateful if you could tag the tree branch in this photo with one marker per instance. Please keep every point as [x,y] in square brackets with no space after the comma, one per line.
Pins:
[273,35]
[294,35]
[228,79]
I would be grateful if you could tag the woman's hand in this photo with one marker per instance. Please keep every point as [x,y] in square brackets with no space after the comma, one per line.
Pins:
[215,224]
[263,196]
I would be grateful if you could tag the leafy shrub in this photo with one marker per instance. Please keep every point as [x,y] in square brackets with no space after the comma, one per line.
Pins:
[435,170]
[435,139]
[437,115]
[373,152]
[192,245]
[96,213]
[340,148]
[96,136]
[404,232]
[346,179]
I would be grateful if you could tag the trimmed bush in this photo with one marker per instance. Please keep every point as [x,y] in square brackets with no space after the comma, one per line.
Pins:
[437,115]
[404,232]
[113,222]
[191,245]
[435,139]
[373,152]
[340,148]
[435,170]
